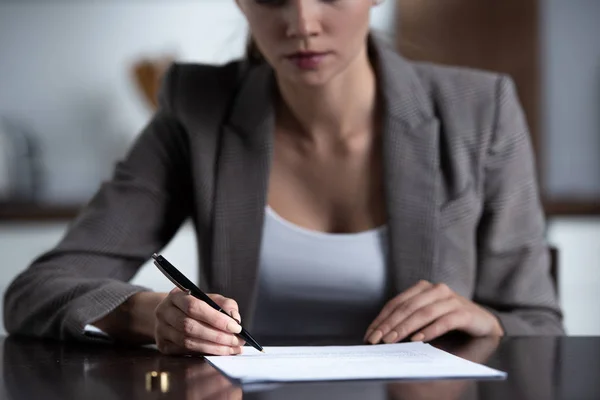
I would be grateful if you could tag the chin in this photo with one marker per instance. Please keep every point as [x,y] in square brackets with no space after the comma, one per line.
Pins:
[310,78]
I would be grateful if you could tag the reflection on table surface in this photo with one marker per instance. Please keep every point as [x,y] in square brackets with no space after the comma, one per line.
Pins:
[538,368]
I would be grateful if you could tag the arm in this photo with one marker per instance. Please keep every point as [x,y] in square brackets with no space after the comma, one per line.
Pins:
[513,293]
[133,215]
[513,275]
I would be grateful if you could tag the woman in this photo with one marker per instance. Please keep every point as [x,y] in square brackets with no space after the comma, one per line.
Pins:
[335,188]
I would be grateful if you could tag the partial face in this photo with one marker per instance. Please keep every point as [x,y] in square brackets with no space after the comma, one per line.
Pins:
[308,41]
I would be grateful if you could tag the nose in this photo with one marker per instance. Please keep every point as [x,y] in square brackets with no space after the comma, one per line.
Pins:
[302,18]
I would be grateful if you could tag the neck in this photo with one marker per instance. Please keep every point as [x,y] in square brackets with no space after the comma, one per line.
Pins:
[341,107]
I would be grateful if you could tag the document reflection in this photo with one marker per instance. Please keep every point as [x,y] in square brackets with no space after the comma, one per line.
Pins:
[476,350]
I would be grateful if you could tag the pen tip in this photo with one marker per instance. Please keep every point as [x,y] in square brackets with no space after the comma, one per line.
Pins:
[262,351]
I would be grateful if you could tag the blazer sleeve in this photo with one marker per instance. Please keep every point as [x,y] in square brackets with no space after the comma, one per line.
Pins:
[513,279]
[131,216]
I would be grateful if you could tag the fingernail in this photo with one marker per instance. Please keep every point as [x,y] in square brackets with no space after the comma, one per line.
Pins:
[375,337]
[390,337]
[231,350]
[236,315]
[235,341]
[418,337]
[369,332]
[234,327]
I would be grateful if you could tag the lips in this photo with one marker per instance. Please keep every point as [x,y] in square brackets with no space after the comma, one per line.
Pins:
[307,59]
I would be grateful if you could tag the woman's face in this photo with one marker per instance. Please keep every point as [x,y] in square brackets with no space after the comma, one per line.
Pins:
[308,41]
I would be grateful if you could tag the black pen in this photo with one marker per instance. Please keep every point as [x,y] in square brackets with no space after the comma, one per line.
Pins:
[186,285]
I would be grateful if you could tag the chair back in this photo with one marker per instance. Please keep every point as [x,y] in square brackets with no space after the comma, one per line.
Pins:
[554,266]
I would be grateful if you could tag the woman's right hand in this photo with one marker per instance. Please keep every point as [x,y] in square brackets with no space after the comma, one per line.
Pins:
[187,325]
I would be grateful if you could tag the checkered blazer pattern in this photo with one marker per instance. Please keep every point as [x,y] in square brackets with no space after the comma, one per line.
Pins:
[460,191]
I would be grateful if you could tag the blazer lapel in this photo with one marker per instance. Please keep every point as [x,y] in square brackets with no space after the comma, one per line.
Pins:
[243,169]
[411,168]
[411,171]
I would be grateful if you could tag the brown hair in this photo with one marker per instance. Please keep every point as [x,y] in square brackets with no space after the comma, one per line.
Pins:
[253,53]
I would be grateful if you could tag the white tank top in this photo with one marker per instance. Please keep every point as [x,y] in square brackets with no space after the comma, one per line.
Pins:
[318,284]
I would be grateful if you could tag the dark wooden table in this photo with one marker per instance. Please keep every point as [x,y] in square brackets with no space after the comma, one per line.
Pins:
[538,369]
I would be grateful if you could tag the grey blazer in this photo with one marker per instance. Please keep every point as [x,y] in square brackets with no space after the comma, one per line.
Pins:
[460,195]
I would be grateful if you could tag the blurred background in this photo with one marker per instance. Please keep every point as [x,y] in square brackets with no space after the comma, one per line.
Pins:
[78,81]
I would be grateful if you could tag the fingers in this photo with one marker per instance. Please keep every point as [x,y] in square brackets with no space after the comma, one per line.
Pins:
[421,318]
[229,305]
[393,303]
[170,341]
[198,329]
[235,314]
[403,310]
[449,322]
[201,311]
[185,324]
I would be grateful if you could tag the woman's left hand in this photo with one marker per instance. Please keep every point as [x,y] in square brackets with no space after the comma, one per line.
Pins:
[427,311]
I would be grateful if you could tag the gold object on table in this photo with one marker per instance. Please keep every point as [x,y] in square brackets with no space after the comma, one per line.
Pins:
[157,380]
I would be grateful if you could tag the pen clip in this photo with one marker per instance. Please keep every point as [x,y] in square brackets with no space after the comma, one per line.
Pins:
[165,273]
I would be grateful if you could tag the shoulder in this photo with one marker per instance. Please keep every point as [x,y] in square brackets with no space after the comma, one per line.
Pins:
[479,113]
[471,104]
[462,87]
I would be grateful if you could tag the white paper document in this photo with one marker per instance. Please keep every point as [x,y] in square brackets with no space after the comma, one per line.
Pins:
[385,361]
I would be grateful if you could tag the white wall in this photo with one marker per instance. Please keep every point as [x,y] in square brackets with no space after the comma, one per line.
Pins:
[578,241]
[65,70]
